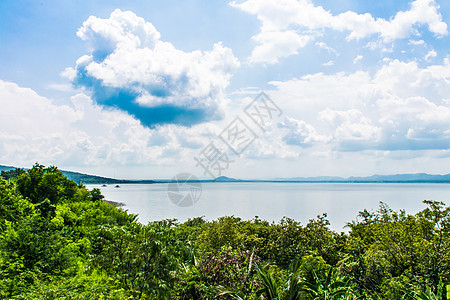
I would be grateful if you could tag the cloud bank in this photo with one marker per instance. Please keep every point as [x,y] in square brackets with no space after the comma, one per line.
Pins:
[144,104]
[401,106]
[82,134]
[130,68]
[289,25]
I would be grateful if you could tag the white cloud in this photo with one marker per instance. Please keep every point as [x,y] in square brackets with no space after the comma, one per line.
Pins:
[431,54]
[401,106]
[416,42]
[121,30]
[301,133]
[399,109]
[328,63]
[323,45]
[421,120]
[303,19]
[351,126]
[83,135]
[62,87]
[272,45]
[75,135]
[357,59]
[131,68]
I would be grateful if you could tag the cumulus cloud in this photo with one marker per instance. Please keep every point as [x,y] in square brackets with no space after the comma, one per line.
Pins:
[357,59]
[352,129]
[82,134]
[304,21]
[323,45]
[272,45]
[130,68]
[431,54]
[416,42]
[401,106]
[301,133]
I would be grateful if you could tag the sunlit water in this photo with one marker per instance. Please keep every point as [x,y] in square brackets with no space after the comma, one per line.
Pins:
[272,201]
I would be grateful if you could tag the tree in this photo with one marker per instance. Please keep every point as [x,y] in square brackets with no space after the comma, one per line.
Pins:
[40,183]
[12,174]
[387,245]
[143,258]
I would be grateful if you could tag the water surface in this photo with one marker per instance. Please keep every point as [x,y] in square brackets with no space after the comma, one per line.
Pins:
[272,201]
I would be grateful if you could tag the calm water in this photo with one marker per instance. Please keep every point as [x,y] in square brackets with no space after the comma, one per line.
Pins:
[272,201]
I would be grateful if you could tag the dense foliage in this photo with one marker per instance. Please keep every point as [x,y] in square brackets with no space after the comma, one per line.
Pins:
[58,240]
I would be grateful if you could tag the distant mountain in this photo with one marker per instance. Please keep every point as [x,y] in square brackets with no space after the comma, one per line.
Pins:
[313,179]
[88,179]
[226,179]
[6,168]
[93,179]
[418,177]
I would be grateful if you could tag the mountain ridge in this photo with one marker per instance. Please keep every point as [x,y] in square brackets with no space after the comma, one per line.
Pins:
[406,177]
[86,178]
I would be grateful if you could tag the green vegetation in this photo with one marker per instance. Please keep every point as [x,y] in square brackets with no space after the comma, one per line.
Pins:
[90,179]
[59,240]
[11,173]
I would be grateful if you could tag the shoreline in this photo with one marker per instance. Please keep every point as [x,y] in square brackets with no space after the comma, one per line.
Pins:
[115,203]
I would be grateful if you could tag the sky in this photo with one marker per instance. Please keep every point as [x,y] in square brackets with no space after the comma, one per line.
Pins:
[253,89]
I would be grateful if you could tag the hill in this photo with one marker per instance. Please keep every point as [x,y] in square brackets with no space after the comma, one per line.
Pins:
[313,179]
[225,179]
[417,177]
[6,168]
[88,179]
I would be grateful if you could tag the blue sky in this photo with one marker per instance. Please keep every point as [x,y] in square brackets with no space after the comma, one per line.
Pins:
[140,89]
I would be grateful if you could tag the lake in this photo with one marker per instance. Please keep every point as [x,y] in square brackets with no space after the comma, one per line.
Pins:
[273,200]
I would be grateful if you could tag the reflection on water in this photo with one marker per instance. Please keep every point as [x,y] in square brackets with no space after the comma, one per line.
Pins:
[272,201]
